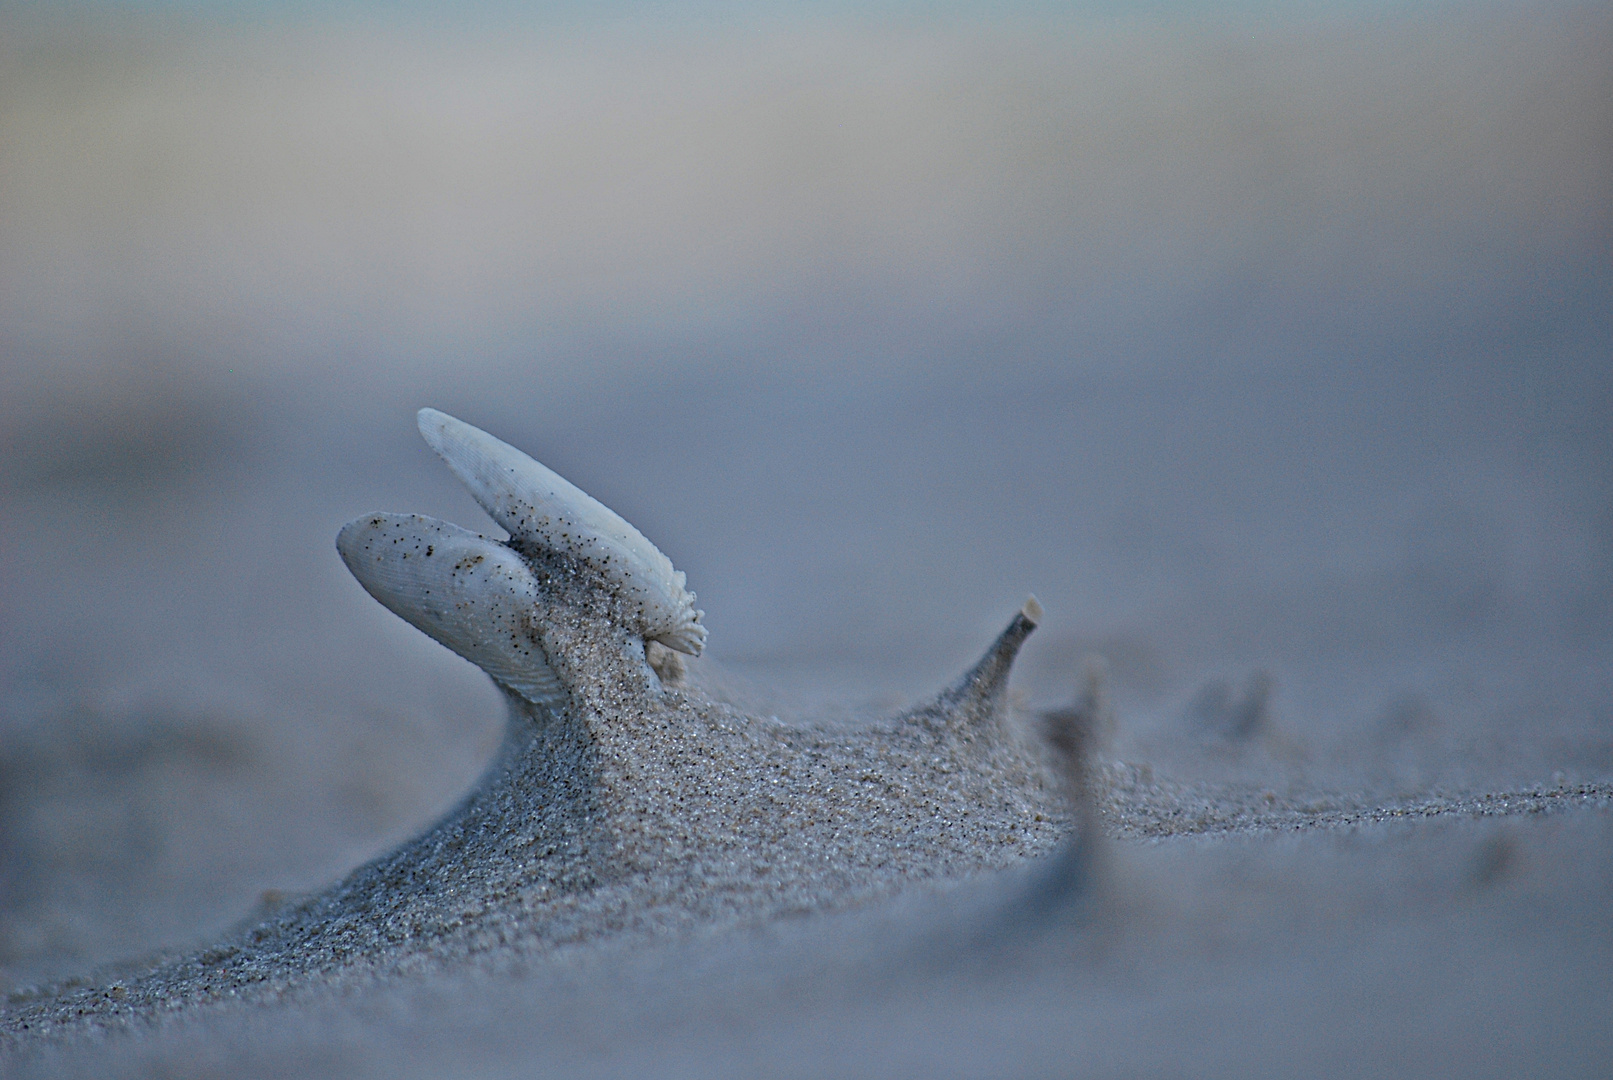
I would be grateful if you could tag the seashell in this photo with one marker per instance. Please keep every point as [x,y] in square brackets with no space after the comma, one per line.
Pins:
[472,594]
[541,510]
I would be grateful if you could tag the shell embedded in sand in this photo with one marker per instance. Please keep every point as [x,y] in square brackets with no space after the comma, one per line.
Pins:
[472,594]
[624,799]
[542,510]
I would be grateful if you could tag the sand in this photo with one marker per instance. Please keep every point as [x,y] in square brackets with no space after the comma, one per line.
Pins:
[648,879]
[1463,937]
[1268,349]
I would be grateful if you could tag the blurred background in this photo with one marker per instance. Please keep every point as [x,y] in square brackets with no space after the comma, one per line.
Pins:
[1270,345]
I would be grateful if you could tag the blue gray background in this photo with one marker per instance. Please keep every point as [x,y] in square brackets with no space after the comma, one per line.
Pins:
[1272,340]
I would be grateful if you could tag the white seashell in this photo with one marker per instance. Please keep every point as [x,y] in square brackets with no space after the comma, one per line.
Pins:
[468,592]
[541,509]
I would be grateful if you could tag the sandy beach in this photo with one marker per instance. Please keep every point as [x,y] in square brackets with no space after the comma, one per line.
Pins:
[1268,349]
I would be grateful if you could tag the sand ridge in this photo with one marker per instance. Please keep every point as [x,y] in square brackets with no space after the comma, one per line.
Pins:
[635,809]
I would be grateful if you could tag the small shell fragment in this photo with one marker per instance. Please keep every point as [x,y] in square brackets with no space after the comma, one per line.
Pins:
[542,510]
[468,592]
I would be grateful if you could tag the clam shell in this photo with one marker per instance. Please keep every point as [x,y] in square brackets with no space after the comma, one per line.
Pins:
[542,510]
[469,592]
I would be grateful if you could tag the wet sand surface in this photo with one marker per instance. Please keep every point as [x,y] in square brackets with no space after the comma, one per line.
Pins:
[1270,353]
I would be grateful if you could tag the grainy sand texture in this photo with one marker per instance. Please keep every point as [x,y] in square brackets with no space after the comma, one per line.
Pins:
[1266,345]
